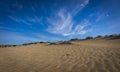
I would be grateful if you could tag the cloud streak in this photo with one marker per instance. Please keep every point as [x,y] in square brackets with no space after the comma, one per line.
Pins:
[79,6]
[62,23]
[65,25]
[19,20]
[27,20]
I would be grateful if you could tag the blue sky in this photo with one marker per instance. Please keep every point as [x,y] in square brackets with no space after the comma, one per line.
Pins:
[24,21]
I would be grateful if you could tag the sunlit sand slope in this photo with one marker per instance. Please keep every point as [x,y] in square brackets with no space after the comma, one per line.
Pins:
[95,55]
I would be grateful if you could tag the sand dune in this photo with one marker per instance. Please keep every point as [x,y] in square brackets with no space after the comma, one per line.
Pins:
[94,55]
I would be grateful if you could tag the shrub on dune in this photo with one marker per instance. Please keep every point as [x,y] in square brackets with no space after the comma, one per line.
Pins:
[75,39]
[99,36]
[89,37]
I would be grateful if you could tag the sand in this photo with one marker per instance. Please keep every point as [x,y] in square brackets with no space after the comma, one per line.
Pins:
[95,55]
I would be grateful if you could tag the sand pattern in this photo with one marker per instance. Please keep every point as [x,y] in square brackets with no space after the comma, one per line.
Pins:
[82,56]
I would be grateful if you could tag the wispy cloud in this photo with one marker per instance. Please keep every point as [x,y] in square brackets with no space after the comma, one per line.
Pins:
[64,24]
[79,6]
[16,4]
[60,25]
[19,20]
[34,19]
[27,20]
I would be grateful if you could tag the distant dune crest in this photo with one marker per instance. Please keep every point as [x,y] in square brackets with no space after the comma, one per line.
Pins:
[107,37]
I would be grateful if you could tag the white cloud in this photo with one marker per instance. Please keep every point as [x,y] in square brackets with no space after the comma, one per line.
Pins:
[34,19]
[79,6]
[20,20]
[64,25]
[27,20]
[59,26]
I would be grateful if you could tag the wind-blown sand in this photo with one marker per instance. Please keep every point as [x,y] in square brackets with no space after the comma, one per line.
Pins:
[95,55]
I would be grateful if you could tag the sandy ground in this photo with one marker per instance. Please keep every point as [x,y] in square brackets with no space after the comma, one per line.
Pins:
[96,55]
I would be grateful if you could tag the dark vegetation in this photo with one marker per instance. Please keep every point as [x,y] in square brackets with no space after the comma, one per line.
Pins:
[107,37]
[8,46]
[99,36]
[34,43]
[75,39]
[65,42]
[89,38]
[2,46]
[60,43]
[112,37]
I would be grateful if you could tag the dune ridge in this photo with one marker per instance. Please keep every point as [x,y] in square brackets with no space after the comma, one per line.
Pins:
[91,55]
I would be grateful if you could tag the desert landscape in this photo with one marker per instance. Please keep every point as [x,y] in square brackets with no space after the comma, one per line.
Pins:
[59,35]
[99,54]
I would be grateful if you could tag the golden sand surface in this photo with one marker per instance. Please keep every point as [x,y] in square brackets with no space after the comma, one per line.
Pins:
[94,55]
